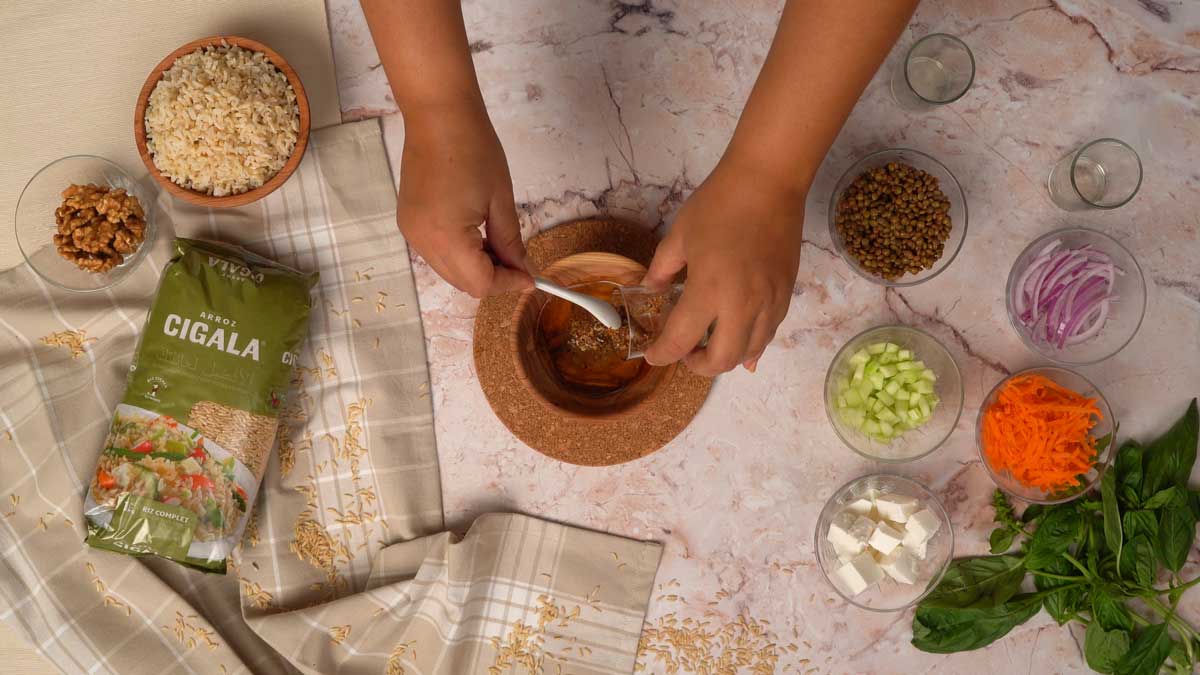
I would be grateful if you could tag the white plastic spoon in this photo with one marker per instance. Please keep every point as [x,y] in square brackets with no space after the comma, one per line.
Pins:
[604,312]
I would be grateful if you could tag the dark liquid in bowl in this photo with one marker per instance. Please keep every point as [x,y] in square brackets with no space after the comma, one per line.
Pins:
[587,357]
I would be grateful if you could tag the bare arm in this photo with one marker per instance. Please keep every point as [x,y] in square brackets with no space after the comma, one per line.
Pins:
[824,54]
[739,234]
[453,175]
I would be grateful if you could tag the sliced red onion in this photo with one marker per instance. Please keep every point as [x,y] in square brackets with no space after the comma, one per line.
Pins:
[1065,295]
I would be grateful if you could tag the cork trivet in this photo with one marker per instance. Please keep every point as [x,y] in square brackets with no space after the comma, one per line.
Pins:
[600,443]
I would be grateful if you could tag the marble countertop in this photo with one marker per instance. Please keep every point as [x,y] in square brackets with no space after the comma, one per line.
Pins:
[618,108]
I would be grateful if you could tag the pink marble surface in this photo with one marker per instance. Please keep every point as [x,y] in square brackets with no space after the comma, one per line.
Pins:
[617,108]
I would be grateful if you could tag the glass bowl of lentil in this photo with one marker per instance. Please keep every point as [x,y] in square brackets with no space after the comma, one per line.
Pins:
[1102,433]
[36,221]
[914,443]
[874,235]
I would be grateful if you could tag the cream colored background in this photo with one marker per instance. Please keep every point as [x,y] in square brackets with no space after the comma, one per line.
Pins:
[71,72]
[78,98]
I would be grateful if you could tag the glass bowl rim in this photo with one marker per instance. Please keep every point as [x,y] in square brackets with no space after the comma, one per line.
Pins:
[1021,330]
[1102,467]
[150,224]
[947,257]
[943,514]
[892,460]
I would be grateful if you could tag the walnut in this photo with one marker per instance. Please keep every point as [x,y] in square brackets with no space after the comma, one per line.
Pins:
[98,226]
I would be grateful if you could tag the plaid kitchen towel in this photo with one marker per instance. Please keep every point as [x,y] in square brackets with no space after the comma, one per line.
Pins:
[342,568]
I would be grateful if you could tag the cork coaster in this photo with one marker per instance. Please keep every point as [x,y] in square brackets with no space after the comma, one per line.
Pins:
[586,443]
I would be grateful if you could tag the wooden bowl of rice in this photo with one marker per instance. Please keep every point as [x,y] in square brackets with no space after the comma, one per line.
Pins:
[222,121]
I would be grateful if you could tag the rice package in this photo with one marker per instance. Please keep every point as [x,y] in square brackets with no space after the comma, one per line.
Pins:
[189,442]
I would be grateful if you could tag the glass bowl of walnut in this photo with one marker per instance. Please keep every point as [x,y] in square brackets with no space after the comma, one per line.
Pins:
[84,224]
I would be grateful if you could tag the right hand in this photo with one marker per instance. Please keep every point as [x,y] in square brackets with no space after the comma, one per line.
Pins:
[453,178]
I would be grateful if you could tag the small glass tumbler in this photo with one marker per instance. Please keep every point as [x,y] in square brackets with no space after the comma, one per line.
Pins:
[1103,174]
[646,312]
[937,70]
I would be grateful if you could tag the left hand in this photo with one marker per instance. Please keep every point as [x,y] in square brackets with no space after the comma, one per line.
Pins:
[739,236]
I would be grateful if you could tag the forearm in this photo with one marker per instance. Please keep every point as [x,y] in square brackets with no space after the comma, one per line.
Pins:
[423,47]
[824,54]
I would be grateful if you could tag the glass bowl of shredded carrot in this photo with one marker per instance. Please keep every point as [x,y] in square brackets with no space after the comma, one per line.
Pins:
[1045,435]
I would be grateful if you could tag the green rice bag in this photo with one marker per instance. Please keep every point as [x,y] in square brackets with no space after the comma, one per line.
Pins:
[190,440]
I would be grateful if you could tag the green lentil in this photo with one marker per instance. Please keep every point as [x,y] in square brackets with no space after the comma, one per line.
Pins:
[894,220]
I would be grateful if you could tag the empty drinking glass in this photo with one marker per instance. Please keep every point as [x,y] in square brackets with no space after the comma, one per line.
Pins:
[938,69]
[1103,174]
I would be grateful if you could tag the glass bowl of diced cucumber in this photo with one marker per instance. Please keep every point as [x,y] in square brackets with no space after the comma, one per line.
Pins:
[883,542]
[893,394]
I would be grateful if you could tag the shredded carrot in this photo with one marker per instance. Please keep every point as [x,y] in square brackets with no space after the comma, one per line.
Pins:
[1039,432]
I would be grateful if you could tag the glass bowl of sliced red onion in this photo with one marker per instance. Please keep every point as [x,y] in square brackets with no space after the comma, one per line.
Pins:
[1076,296]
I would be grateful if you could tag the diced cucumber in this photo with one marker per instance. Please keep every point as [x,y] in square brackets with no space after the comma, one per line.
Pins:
[887,392]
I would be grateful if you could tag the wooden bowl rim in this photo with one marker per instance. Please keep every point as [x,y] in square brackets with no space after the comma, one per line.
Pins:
[523,375]
[242,198]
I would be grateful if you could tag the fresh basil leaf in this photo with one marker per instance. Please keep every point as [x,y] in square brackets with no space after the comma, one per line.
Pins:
[1138,563]
[1182,665]
[1095,544]
[1171,497]
[1031,512]
[1195,503]
[944,630]
[1104,649]
[1061,604]
[1128,466]
[1110,611]
[1176,532]
[1113,535]
[1001,539]
[1169,459]
[1140,522]
[1055,534]
[1147,653]
[978,582]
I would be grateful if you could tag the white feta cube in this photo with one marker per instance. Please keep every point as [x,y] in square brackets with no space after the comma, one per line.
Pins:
[921,527]
[896,508]
[885,538]
[919,551]
[848,533]
[862,507]
[859,574]
[901,566]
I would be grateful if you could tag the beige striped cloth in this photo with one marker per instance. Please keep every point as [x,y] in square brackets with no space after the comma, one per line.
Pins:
[344,568]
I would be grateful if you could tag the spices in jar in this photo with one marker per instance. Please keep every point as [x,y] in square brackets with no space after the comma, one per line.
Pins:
[894,220]
[98,226]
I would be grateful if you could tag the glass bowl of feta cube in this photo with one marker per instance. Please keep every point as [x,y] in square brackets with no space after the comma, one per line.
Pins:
[883,542]
[893,394]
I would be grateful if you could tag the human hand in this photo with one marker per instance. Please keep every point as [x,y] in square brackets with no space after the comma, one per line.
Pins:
[453,178]
[739,236]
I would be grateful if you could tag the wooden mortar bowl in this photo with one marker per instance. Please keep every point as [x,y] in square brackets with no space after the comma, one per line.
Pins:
[242,198]
[535,370]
